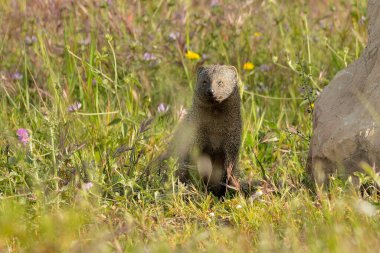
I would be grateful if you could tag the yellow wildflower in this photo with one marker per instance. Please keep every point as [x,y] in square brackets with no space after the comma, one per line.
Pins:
[310,109]
[248,66]
[192,55]
[257,34]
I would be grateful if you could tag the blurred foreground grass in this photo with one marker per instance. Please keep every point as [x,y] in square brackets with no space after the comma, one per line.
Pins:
[96,88]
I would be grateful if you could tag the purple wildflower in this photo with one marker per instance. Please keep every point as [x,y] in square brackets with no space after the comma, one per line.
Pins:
[85,41]
[265,68]
[162,108]
[23,135]
[87,186]
[149,57]
[205,57]
[214,3]
[74,107]
[17,76]
[29,40]
[174,36]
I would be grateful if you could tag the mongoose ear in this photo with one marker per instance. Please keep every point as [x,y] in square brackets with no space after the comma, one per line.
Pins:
[200,70]
[233,69]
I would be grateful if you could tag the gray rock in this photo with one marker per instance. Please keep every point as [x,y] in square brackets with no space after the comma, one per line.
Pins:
[346,118]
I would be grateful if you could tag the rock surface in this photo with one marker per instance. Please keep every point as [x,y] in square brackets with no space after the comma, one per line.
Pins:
[346,118]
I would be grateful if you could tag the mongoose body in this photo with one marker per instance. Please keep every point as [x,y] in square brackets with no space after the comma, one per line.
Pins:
[213,129]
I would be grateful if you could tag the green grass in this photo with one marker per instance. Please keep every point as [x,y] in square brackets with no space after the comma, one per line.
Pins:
[92,52]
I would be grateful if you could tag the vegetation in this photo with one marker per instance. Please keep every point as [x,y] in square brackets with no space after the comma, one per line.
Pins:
[90,92]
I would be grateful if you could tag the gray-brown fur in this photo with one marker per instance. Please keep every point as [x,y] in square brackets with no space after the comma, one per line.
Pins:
[213,129]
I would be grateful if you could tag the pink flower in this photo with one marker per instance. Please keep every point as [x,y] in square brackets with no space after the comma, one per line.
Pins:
[23,135]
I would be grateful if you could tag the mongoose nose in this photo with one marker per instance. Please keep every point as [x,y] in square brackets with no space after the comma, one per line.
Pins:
[210,92]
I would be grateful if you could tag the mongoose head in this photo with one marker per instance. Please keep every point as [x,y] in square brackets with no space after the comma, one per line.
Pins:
[216,83]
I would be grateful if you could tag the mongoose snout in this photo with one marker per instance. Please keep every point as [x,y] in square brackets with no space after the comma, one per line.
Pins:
[210,92]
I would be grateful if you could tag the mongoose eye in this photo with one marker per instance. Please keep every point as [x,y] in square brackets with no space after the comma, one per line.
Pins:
[204,83]
[220,83]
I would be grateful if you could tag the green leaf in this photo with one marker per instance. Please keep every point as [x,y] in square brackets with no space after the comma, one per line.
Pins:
[114,121]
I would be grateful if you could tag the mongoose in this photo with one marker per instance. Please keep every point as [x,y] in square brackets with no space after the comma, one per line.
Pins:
[213,128]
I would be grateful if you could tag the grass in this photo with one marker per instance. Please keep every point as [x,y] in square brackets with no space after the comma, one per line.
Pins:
[80,183]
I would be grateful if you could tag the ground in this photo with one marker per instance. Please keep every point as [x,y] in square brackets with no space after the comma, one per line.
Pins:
[92,90]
